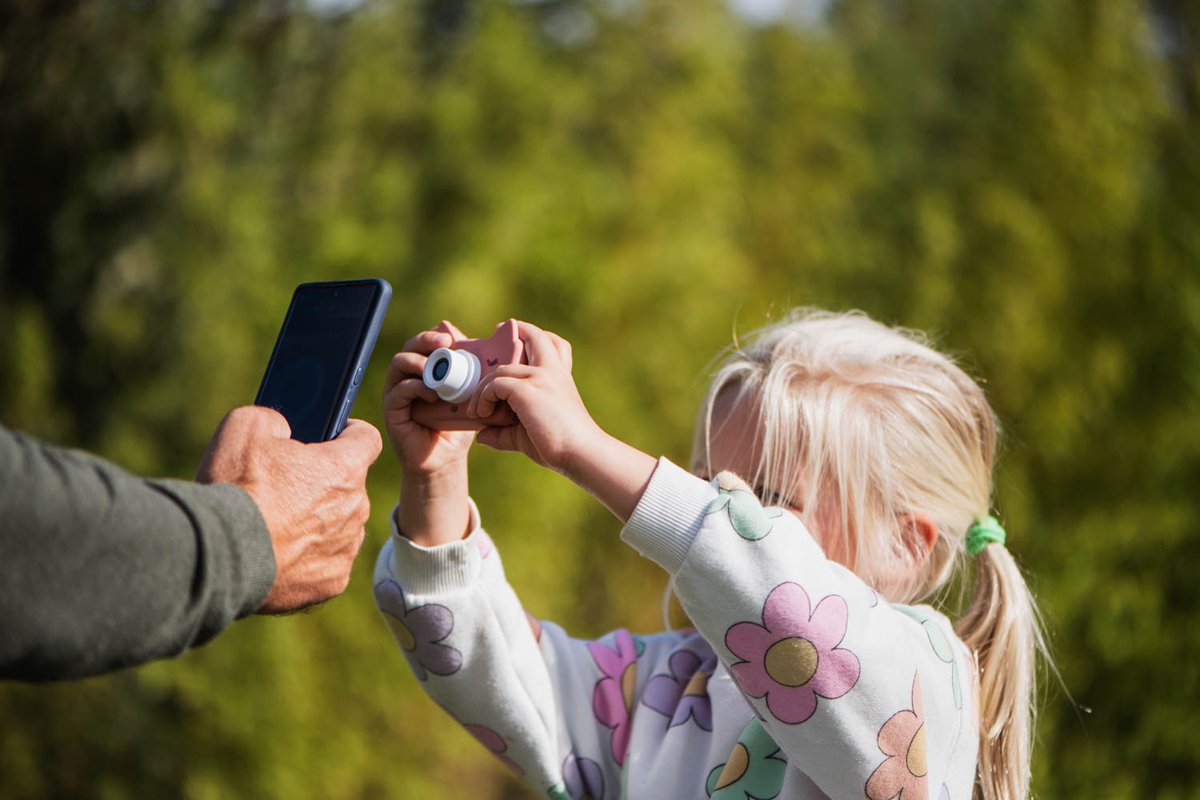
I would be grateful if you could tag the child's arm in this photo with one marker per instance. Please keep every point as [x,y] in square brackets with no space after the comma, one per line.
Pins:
[434,508]
[556,430]
[441,587]
[844,682]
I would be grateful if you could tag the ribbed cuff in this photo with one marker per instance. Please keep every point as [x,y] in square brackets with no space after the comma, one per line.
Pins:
[435,570]
[668,515]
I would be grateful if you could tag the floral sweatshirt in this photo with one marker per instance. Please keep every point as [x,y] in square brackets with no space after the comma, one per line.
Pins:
[798,682]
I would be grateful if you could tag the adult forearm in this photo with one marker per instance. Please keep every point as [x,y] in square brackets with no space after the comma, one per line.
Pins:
[102,569]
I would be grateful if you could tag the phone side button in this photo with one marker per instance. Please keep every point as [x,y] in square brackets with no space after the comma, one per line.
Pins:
[358,373]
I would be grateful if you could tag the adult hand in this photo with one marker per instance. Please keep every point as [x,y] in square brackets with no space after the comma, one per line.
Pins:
[312,496]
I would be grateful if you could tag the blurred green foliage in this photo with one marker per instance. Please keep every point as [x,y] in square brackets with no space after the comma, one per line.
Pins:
[646,177]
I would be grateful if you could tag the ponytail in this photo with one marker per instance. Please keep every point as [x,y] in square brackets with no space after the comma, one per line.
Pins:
[1002,627]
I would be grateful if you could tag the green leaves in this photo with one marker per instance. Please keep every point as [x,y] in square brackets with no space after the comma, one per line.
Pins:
[646,179]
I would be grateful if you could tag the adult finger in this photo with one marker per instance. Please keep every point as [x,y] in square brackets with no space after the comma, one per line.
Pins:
[359,440]
[263,419]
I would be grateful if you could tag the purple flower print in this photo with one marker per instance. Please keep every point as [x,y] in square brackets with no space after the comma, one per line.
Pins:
[494,742]
[612,700]
[419,631]
[793,657]
[683,693]
[583,778]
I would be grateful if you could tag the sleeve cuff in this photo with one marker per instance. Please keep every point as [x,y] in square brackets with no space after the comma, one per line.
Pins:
[668,516]
[258,556]
[246,562]
[449,567]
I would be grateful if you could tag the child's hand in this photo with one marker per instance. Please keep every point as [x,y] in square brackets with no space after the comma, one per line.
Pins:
[554,424]
[555,429]
[422,451]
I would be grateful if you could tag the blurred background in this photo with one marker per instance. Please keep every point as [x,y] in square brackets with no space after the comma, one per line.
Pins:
[648,178]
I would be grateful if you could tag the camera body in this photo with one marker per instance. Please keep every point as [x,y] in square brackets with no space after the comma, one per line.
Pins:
[455,371]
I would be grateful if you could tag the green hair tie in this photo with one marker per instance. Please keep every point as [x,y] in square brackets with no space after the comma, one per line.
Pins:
[982,533]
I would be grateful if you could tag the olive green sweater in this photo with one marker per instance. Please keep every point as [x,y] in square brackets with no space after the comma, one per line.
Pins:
[101,569]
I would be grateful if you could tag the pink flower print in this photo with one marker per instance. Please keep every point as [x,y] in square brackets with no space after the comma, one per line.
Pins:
[612,700]
[419,631]
[684,692]
[495,743]
[793,657]
[903,774]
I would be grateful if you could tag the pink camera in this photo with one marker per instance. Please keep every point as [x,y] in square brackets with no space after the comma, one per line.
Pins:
[454,372]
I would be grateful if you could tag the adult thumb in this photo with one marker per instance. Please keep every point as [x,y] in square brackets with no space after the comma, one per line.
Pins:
[359,440]
[259,418]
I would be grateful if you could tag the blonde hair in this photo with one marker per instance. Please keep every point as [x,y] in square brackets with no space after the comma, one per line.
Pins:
[870,427]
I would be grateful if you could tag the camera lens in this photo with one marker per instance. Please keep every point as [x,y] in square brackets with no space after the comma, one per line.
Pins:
[453,374]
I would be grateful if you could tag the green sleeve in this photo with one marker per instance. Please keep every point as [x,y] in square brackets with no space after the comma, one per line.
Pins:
[101,569]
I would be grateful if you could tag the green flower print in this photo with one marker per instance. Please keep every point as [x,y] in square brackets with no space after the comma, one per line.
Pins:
[754,770]
[746,514]
[939,643]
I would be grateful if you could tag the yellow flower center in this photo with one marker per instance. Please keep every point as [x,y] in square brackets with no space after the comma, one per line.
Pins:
[698,685]
[405,636]
[791,662]
[628,684]
[735,767]
[916,754]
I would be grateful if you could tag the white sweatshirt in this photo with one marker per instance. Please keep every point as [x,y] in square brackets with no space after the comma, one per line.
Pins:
[799,682]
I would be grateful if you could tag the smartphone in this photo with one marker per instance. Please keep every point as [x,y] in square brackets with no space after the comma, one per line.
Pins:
[322,353]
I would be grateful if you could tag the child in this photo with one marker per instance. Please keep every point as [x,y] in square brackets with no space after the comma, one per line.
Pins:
[841,471]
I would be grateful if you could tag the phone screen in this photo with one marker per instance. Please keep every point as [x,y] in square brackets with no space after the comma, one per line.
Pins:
[321,352]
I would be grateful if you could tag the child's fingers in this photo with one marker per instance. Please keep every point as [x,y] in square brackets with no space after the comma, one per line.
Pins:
[540,350]
[426,342]
[488,395]
[449,327]
[404,365]
[505,438]
[564,350]
[404,392]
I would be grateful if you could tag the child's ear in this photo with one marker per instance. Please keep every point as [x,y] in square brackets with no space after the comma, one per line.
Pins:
[919,535]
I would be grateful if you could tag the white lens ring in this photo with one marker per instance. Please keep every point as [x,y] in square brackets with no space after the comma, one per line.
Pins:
[453,374]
